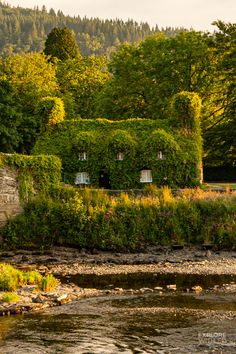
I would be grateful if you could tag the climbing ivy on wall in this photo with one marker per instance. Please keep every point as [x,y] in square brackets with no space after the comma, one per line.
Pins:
[35,173]
[139,140]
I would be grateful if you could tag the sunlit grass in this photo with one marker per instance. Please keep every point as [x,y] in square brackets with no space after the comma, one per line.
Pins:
[12,278]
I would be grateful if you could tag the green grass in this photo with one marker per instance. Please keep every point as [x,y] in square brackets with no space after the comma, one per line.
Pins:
[10,297]
[48,283]
[12,278]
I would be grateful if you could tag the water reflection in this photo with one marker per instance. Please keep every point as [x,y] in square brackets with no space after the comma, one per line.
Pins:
[147,323]
[139,280]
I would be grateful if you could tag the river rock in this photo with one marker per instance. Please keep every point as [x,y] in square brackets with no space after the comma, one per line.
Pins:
[120,290]
[61,297]
[25,258]
[158,288]
[172,287]
[146,290]
[40,299]
[197,289]
[7,254]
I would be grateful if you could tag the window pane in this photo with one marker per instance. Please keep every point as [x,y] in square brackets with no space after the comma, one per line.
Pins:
[120,156]
[146,176]
[82,178]
[83,156]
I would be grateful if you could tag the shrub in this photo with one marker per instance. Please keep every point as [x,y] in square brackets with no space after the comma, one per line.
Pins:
[48,283]
[9,297]
[32,277]
[35,173]
[94,219]
[10,278]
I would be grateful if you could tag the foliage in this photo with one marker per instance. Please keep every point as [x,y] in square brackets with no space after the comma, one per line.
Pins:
[80,80]
[138,139]
[25,30]
[12,278]
[186,108]
[60,222]
[92,219]
[32,277]
[61,44]
[32,77]
[220,137]
[48,283]
[9,297]
[52,110]
[145,77]
[35,173]
[10,118]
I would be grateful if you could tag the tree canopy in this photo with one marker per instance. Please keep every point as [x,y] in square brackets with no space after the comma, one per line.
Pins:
[61,44]
[137,80]
[25,30]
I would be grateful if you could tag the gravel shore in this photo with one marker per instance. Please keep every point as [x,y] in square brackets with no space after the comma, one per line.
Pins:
[69,261]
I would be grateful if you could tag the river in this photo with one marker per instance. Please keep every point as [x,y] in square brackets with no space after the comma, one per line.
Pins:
[150,322]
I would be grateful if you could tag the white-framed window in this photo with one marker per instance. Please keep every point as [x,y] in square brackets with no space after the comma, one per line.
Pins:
[83,156]
[146,176]
[160,155]
[82,178]
[120,156]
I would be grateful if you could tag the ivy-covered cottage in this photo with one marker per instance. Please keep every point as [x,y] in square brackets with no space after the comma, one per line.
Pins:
[127,154]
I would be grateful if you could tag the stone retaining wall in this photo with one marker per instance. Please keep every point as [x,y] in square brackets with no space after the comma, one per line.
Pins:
[9,195]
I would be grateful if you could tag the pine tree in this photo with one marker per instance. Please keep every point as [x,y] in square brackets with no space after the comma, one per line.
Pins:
[61,43]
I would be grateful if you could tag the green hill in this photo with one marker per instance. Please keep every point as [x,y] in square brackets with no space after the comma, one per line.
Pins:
[24,30]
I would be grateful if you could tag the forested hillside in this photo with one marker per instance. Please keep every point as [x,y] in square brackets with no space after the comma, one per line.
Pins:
[24,30]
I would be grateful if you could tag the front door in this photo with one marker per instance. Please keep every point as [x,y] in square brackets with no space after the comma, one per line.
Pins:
[104,179]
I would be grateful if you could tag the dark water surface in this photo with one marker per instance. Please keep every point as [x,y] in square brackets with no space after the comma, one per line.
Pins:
[149,323]
[151,280]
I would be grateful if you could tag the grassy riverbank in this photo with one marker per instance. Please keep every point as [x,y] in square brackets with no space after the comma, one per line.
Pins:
[93,219]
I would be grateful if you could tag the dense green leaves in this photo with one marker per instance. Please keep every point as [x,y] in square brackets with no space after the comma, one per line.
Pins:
[144,78]
[80,80]
[221,133]
[92,219]
[139,81]
[25,30]
[61,44]
[10,118]
[139,141]
[32,78]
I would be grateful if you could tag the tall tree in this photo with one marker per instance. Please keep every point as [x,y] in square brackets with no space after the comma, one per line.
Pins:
[144,78]
[80,80]
[61,43]
[32,78]
[10,118]
[220,136]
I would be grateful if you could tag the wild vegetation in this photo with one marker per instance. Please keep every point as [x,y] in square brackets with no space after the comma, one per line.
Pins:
[46,86]
[137,81]
[35,173]
[94,219]
[12,278]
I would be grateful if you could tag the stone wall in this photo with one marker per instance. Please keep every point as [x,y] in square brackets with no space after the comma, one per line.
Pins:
[9,195]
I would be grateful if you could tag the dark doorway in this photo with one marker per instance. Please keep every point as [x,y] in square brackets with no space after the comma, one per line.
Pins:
[104,179]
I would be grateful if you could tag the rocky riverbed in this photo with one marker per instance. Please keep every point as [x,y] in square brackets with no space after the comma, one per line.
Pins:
[64,262]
